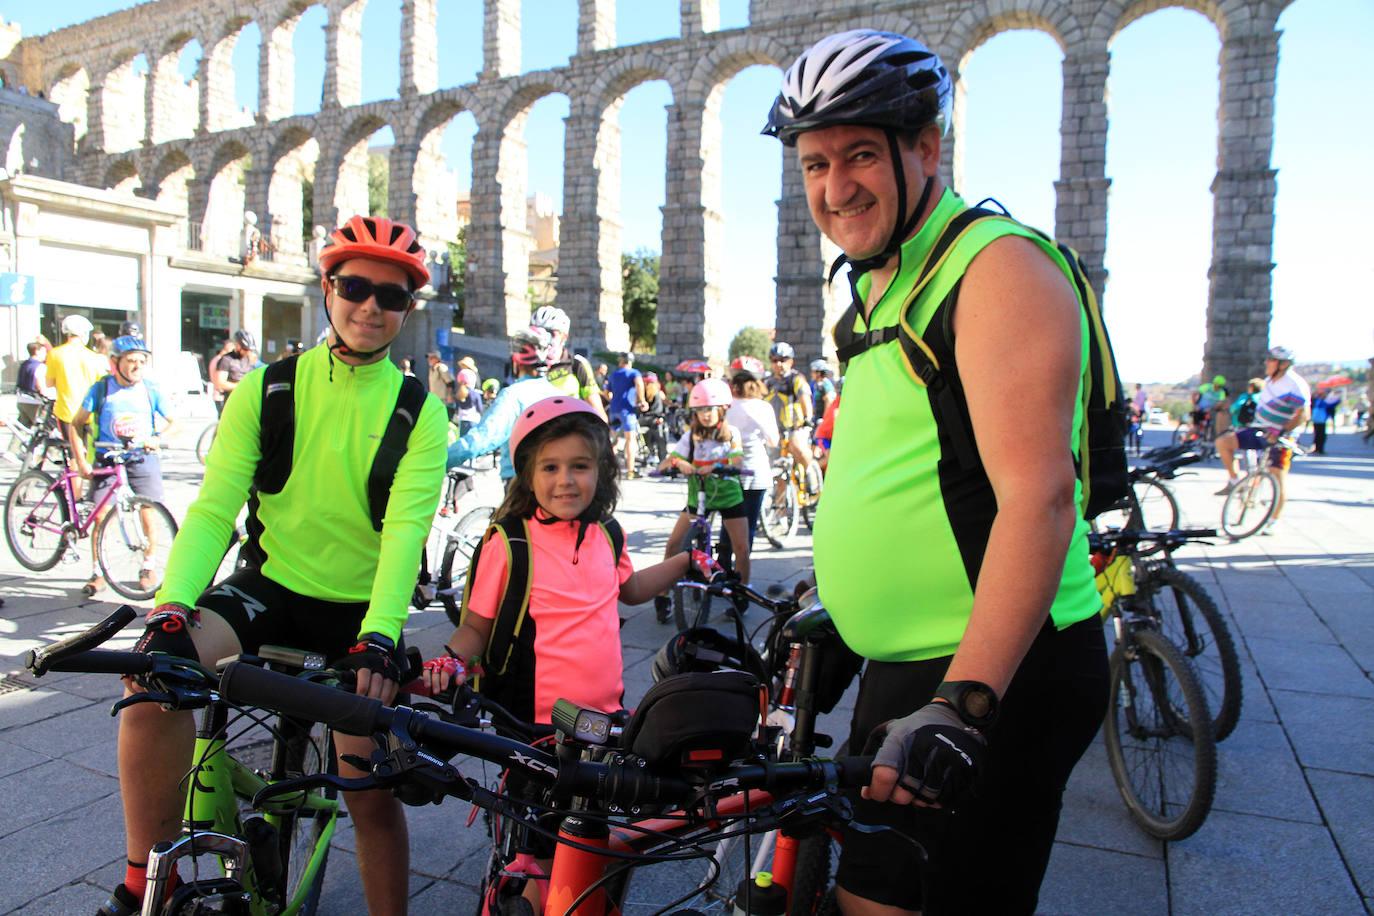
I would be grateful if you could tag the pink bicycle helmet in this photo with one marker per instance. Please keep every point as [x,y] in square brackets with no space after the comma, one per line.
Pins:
[710,392]
[541,412]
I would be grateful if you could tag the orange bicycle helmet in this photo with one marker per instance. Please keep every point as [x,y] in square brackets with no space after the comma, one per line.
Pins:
[380,239]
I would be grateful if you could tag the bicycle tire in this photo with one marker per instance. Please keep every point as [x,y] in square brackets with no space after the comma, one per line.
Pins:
[1249,505]
[458,550]
[780,515]
[33,498]
[119,541]
[1191,620]
[303,751]
[205,440]
[1143,733]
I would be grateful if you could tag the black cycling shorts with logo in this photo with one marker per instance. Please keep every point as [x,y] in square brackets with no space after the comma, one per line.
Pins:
[990,854]
[262,612]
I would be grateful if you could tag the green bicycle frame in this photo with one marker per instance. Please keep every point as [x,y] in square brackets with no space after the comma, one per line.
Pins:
[218,782]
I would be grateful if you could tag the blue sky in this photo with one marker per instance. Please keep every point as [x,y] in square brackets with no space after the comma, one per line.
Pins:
[1161,154]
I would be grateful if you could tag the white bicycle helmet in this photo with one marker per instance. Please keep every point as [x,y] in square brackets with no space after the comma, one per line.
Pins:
[1282,354]
[77,326]
[551,318]
[781,350]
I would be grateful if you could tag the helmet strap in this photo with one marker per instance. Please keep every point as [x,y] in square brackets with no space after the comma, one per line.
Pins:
[342,347]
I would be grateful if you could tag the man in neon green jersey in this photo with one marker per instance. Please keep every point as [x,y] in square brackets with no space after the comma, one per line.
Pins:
[950,545]
[330,571]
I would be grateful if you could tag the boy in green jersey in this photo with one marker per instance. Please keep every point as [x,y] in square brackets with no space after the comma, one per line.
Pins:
[322,576]
[961,574]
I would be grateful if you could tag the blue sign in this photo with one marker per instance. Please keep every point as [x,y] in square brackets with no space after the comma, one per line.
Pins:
[16,289]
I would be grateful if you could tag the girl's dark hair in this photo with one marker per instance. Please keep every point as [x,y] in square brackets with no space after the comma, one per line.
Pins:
[720,432]
[745,385]
[520,501]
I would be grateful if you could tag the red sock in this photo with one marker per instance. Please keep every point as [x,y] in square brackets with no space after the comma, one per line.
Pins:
[136,879]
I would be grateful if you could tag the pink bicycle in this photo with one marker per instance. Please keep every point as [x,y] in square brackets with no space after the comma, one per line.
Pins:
[132,534]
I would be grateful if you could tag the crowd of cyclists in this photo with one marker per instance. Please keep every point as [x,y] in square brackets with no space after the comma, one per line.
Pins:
[966,585]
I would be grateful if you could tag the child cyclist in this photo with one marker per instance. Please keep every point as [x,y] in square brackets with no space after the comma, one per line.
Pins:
[564,492]
[562,496]
[710,442]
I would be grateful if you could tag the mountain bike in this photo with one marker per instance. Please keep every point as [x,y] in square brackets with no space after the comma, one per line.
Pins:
[1202,441]
[269,854]
[1160,742]
[691,607]
[682,771]
[37,442]
[1186,614]
[1150,504]
[132,534]
[1251,501]
[789,501]
[454,537]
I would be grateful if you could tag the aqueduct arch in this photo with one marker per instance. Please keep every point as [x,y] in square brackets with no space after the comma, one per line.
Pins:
[75,64]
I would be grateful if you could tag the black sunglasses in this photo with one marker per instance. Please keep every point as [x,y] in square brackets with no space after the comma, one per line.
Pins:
[390,297]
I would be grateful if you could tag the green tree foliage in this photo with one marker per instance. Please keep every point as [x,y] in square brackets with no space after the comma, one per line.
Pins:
[378,184]
[639,284]
[751,342]
[458,273]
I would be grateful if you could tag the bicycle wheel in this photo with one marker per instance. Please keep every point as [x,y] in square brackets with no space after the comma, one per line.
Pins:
[37,520]
[718,895]
[1249,504]
[304,751]
[205,440]
[780,513]
[132,543]
[1159,737]
[1190,619]
[461,544]
[1181,433]
[813,882]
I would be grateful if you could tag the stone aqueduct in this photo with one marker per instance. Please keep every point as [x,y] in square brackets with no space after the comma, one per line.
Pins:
[176,140]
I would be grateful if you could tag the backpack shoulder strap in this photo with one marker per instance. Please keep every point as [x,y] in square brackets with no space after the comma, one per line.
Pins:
[277,426]
[409,401]
[513,607]
[616,535]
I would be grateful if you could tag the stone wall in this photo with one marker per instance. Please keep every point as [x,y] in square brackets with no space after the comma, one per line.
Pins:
[33,139]
[85,69]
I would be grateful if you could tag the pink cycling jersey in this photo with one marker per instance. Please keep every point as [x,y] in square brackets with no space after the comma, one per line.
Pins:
[574,603]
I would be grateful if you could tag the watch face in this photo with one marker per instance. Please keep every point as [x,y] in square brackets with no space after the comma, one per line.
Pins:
[978,702]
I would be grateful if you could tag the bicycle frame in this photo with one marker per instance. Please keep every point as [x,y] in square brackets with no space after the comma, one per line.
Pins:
[82,526]
[211,822]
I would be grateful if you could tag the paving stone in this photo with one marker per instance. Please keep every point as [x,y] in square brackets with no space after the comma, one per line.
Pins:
[73,898]
[1332,732]
[22,707]
[1258,774]
[14,758]
[444,897]
[1309,667]
[1241,864]
[61,785]
[1254,698]
[1347,801]
[1075,875]
[1350,622]
[46,856]
[69,732]
[1287,621]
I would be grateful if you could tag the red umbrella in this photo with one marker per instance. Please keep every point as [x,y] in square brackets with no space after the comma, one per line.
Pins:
[1336,381]
[694,367]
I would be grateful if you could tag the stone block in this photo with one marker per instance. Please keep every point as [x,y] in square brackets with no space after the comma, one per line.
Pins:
[1242,864]
[1346,801]
[1331,732]
[88,725]
[1309,667]
[46,856]
[1075,875]
[1257,773]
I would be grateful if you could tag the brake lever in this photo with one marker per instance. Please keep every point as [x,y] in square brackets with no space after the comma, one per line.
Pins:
[304,783]
[191,699]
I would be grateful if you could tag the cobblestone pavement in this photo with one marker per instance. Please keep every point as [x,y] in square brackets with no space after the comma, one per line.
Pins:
[1290,831]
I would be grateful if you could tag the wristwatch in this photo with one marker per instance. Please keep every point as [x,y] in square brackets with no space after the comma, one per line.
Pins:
[975,702]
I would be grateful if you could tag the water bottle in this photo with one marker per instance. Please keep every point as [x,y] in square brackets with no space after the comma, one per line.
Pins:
[760,897]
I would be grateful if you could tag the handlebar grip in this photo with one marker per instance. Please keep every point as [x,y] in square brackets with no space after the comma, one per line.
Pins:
[250,685]
[1198,532]
[854,771]
[104,661]
[42,660]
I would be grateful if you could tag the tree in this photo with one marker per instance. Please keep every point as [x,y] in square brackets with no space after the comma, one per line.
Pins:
[751,342]
[378,184]
[639,287]
[458,273]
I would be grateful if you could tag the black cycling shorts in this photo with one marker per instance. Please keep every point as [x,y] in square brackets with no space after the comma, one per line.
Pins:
[261,612]
[989,855]
[738,510]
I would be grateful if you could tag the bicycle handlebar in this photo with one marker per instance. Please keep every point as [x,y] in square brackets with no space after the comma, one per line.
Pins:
[41,660]
[619,783]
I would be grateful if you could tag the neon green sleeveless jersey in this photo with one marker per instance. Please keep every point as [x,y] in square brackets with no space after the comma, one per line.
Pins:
[901,530]
[317,532]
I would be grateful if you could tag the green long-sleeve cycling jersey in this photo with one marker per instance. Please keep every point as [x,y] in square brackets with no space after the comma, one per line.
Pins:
[317,533]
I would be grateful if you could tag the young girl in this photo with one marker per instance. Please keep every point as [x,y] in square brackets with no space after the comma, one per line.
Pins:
[564,490]
[710,442]
[758,432]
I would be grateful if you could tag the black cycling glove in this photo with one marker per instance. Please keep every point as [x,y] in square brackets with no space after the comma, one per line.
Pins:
[374,652]
[937,757]
[168,631]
